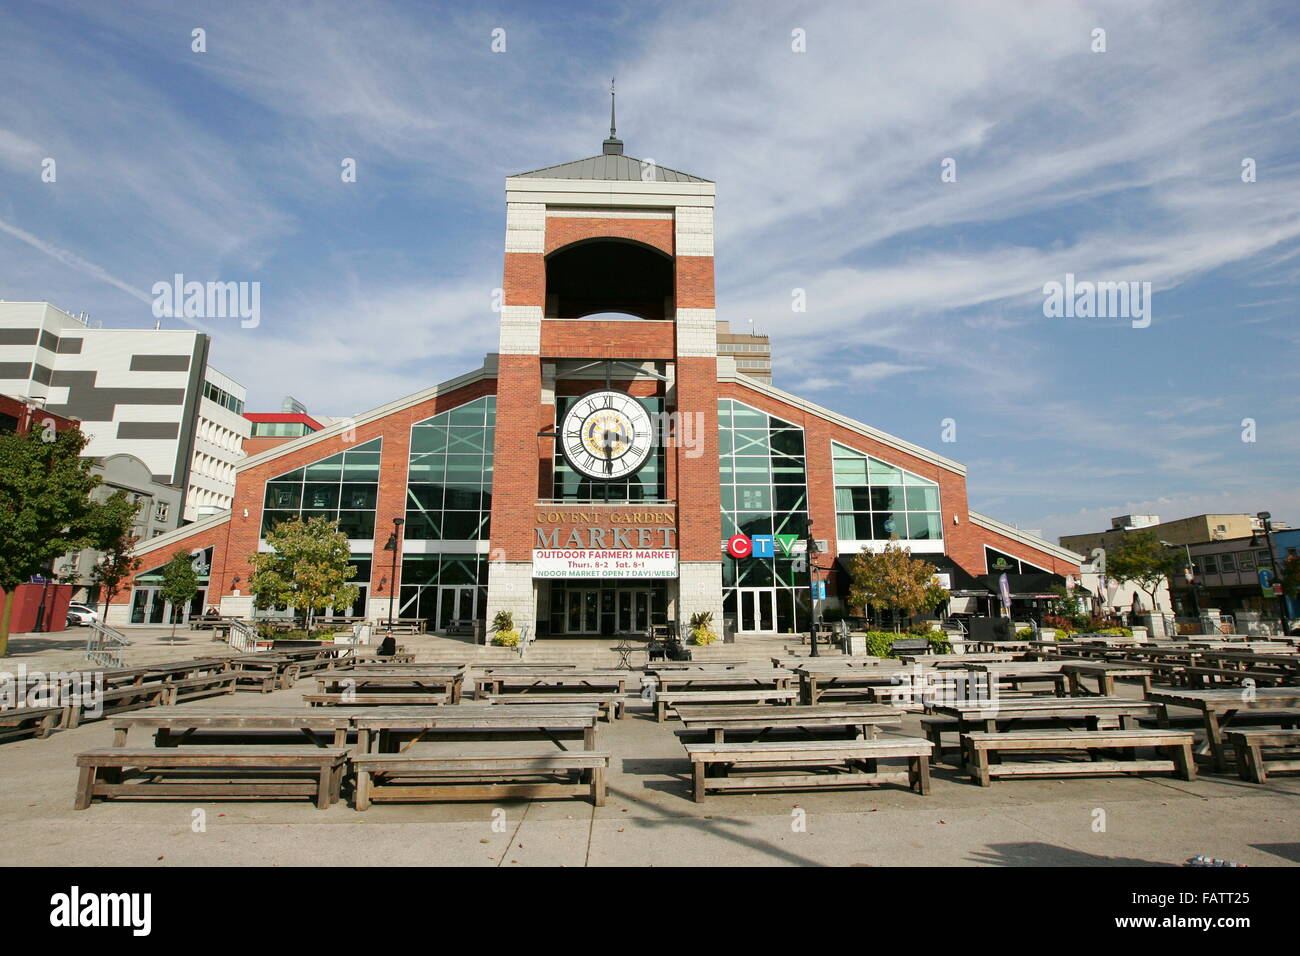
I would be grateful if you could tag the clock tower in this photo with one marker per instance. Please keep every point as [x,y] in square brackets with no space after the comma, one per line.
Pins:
[607,398]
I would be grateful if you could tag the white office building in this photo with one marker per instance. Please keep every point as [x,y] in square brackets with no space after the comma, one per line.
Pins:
[143,392]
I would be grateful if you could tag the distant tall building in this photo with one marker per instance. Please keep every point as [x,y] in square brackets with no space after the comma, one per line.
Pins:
[752,353]
[143,392]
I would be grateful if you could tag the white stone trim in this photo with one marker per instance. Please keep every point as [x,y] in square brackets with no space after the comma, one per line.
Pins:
[525,227]
[697,333]
[854,546]
[694,231]
[699,588]
[601,192]
[849,424]
[521,330]
[584,212]
[1029,540]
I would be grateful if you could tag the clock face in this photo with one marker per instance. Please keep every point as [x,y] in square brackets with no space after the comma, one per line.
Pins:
[606,435]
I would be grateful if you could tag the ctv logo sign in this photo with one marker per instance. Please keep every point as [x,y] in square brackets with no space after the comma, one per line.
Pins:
[761,545]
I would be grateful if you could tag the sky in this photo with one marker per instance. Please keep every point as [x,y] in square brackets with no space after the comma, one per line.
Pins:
[914,173]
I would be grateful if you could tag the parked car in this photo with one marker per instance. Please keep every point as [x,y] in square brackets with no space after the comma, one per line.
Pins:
[79,614]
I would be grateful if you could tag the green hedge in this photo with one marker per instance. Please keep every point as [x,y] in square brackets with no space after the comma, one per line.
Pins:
[880,643]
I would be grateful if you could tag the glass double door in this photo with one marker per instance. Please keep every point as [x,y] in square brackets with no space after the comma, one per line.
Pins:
[148,606]
[583,610]
[757,610]
[457,604]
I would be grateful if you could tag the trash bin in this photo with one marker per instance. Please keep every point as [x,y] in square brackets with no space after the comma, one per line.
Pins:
[480,632]
[728,630]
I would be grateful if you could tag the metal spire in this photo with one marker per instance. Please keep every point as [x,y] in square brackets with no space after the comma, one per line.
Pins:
[612,146]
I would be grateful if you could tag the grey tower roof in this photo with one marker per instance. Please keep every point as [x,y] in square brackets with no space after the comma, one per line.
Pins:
[613,167]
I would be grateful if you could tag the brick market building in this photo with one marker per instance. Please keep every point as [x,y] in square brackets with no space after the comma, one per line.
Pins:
[589,475]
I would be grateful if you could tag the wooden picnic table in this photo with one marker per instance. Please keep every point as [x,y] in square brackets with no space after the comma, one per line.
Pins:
[383,730]
[1219,706]
[1104,673]
[527,681]
[856,720]
[176,725]
[816,680]
[736,677]
[992,715]
[1015,673]
[403,679]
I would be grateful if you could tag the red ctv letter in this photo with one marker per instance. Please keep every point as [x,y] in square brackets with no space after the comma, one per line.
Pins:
[739,546]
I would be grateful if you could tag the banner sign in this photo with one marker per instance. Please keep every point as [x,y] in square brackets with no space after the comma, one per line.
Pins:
[590,563]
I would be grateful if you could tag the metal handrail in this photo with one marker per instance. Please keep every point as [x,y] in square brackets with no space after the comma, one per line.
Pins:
[243,636]
[103,643]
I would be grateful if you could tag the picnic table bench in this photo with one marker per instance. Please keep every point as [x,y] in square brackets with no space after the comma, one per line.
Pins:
[536,681]
[349,698]
[495,776]
[382,731]
[266,671]
[817,679]
[1104,673]
[174,726]
[804,765]
[228,771]
[612,704]
[736,678]
[26,721]
[1251,760]
[855,720]
[980,747]
[410,679]
[1218,707]
[759,695]
[204,685]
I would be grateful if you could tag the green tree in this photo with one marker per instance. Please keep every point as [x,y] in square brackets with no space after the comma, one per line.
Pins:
[894,579]
[116,539]
[45,507]
[1144,561]
[180,582]
[308,569]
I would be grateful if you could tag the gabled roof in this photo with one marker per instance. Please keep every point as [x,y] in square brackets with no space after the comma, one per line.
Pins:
[611,168]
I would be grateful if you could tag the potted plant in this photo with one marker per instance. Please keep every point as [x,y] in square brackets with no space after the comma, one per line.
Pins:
[503,630]
[702,633]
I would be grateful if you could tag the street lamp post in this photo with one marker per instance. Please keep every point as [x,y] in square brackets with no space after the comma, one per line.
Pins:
[812,592]
[1267,519]
[392,581]
[1191,576]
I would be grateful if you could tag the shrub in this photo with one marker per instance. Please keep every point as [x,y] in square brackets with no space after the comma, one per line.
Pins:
[702,633]
[880,643]
[508,638]
[1025,634]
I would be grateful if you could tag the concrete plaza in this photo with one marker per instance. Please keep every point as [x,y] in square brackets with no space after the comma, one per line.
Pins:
[649,820]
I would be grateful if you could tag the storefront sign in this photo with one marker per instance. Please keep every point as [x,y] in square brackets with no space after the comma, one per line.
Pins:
[605,564]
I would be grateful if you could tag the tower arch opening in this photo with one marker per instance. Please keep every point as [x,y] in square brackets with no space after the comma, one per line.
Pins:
[609,275]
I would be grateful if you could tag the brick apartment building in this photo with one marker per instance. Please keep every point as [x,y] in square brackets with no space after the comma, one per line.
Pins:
[589,476]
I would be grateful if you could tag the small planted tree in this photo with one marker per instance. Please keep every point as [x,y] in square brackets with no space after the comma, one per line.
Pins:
[309,569]
[1144,561]
[180,582]
[117,538]
[894,579]
[503,630]
[702,632]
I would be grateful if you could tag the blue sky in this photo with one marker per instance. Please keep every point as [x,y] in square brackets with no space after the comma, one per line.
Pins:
[924,298]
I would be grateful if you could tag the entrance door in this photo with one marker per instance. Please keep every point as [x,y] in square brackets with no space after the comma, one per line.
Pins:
[757,610]
[582,612]
[633,611]
[456,604]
